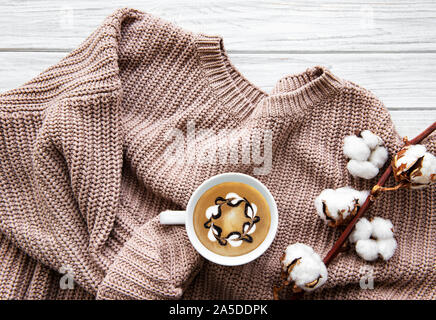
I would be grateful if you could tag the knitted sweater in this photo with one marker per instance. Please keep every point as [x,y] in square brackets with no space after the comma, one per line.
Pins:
[84,171]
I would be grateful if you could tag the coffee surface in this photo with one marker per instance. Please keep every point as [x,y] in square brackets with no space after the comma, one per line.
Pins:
[232,219]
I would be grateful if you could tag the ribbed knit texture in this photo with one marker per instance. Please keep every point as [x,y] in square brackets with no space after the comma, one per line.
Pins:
[84,174]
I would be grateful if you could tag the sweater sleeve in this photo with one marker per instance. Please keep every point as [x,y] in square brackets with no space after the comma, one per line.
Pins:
[61,160]
[59,183]
[61,157]
[157,262]
[60,197]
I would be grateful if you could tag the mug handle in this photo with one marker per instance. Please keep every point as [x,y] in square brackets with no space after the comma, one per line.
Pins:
[172,217]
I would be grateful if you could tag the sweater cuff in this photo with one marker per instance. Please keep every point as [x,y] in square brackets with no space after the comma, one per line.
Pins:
[157,262]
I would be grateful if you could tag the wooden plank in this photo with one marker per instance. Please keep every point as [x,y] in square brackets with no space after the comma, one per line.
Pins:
[16,68]
[279,25]
[408,94]
[410,123]
[401,81]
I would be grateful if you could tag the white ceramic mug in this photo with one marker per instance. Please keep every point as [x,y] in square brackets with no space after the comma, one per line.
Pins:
[187,218]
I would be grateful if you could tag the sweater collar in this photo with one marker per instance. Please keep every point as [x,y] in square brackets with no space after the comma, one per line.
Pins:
[292,94]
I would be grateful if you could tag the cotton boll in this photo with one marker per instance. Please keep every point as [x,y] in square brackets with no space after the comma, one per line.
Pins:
[384,244]
[341,205]
[427,172]
[304,267]
[386,248]
[362,169]
[371,139]
[416,150]
[349,197]
[353,194]
[361,196]
[310,274]
[305,271]
[362,230]
[335,207]
[367,249]
[382,228]
[407,157]
[379,156]
[365,161]
[413,151]
[296,251]
[414,167]
[356,148]
[325,197]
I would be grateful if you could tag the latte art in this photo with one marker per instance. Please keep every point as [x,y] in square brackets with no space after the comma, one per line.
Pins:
[231,220]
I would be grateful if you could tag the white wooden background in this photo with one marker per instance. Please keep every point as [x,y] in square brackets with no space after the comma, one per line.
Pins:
[388,47]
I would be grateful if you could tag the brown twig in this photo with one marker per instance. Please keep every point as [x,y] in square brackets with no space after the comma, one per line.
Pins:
[344,236]
[377,188]
[334,251]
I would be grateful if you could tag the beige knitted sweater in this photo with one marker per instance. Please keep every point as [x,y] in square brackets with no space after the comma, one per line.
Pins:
[84,172]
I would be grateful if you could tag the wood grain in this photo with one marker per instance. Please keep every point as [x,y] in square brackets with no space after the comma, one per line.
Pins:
[401,81]
[388,47]
[410,102]
[279,25]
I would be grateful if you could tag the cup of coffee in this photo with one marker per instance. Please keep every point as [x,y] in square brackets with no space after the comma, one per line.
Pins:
[231,219]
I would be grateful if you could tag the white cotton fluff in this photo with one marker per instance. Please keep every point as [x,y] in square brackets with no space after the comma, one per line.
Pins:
[428,170]
[339,203]
[371,140]
[362,169]
[386,248]
[356,148]
[362,230]
[295,251]
[382,228]
[367,249]
[308,269]
[379,156]
[410,156]
[366,153]
[423,173]
[374,239]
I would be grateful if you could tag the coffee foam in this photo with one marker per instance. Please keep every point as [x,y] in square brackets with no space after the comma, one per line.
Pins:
[231,218]
[234,226]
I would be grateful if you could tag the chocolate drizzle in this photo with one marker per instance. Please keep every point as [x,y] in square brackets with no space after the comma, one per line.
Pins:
[234,235]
